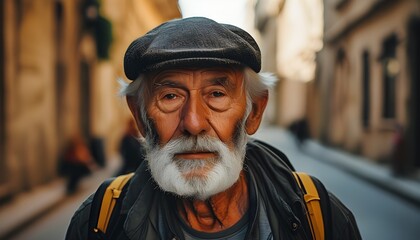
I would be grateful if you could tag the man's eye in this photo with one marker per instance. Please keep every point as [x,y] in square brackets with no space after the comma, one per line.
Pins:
[170,101]
[217,94]
[170,96]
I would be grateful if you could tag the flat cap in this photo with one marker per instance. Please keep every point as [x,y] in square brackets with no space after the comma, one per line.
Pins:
[191,42]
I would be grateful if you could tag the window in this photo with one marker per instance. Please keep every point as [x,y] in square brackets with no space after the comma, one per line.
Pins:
[365,89]
[389,73]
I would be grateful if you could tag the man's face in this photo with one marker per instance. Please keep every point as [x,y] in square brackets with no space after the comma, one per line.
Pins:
[198,119]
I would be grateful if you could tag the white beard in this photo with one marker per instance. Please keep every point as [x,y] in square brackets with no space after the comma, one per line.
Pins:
[177,175]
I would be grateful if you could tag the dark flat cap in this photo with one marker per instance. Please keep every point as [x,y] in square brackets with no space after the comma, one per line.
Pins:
[191,42]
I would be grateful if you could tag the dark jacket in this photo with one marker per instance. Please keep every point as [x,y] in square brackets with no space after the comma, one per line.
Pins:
[148,213]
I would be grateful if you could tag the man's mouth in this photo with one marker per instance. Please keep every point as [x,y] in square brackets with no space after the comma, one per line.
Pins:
[195,155]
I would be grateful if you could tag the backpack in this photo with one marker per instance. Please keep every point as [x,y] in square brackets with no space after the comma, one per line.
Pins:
[314,193]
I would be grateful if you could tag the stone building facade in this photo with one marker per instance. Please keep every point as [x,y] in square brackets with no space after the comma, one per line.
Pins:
[290,36]
[53,83]
[365,96]
[40,81]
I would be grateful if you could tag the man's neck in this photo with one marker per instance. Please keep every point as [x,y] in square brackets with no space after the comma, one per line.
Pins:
[220,211]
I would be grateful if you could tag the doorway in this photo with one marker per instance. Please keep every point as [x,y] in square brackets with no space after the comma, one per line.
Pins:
[413,55]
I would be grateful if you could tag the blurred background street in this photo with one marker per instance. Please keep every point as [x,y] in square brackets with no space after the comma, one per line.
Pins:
[346,106]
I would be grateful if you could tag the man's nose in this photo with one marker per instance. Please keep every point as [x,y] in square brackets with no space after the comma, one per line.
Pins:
[195,117]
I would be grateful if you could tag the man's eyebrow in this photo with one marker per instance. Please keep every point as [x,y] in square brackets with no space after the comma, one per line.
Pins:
[223,81]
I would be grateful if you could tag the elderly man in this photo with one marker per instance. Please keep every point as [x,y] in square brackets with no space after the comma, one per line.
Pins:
[196,95]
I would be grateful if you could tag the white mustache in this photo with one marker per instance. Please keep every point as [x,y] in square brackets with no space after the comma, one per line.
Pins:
[192,144]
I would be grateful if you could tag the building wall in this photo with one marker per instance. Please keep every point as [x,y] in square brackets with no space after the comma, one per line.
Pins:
[42,93]
[351,29]
[30,120]
[54,86]
[291,34]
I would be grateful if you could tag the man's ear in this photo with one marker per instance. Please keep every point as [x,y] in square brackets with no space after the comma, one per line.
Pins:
[254,119]
[135,111]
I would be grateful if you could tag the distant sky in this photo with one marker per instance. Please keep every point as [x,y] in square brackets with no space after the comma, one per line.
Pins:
[223,11]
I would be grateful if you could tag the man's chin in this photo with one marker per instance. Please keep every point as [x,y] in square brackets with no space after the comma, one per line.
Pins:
[196,184]
[196,175]
[201,186]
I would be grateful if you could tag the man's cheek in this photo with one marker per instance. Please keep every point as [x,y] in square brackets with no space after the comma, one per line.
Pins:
[225,126]
[166,126]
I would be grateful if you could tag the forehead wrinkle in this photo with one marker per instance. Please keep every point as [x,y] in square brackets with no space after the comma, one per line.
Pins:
[166,78]
[227,80]
[166,82]
[173,84]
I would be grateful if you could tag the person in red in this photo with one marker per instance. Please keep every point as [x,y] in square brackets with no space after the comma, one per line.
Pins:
[77,162]
[197,94]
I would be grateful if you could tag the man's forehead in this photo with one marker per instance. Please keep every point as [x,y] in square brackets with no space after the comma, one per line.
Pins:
[216,75]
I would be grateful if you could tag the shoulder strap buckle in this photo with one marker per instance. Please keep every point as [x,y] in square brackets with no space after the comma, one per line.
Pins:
[313,204]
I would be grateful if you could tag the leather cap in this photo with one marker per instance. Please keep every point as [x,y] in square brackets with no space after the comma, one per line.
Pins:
[191,42]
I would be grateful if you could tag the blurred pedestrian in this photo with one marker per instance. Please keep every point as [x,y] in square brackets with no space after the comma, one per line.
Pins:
[398,155]
[300,129]
[131,149]
[77,162]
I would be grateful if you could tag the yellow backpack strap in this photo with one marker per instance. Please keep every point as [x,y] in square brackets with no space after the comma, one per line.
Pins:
[111,195]
[313,204]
